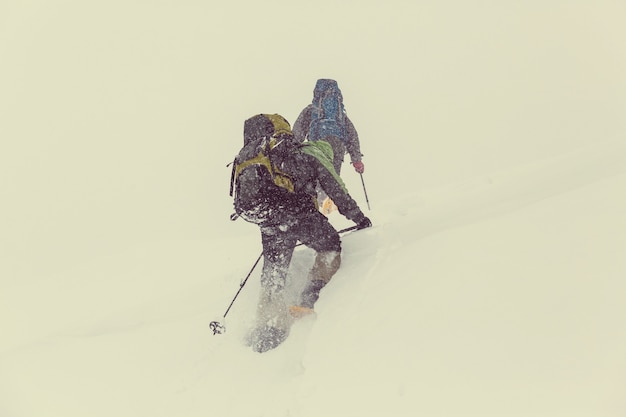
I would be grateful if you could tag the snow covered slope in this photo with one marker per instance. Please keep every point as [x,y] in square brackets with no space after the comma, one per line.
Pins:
[500,296]
[491,283]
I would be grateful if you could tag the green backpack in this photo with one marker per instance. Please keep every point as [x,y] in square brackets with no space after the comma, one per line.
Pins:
[264,187]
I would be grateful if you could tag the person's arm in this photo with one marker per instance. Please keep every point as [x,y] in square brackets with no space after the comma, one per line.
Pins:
[340,196]
[301,125]
[353,145]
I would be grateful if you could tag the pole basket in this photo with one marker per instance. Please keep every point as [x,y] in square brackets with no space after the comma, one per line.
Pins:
[217,327]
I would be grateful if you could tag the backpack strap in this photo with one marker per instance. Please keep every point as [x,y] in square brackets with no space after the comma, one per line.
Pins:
[232,176]
[280,178]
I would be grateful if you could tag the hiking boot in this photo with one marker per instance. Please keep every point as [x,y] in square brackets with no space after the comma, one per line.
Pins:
[297,312]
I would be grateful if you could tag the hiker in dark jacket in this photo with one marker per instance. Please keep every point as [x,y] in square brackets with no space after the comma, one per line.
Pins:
[275,180]
[343,140]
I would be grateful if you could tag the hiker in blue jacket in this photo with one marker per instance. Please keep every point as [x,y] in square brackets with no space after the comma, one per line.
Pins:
[326,119]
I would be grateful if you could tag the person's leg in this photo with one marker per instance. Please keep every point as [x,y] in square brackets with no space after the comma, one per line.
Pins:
[316,232]
[278,248]
[325,266]
[339,151]
[272,318]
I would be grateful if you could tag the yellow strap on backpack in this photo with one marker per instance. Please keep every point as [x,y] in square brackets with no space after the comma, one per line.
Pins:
[280,178]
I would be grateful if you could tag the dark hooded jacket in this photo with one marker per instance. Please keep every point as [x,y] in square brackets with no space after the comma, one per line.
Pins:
[303,122]
[300,167]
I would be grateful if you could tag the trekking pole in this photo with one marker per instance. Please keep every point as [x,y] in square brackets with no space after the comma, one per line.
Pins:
[347,229]
[219,328]
[365,191]
[216,326]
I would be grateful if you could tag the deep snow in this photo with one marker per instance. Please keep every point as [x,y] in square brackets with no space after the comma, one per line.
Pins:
[499,297]
[491,284]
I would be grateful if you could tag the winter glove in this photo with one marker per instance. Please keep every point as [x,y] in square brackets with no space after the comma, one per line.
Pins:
[363,223]
[359,167]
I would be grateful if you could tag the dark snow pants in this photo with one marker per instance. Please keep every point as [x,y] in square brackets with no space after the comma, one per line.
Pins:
[312,229]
